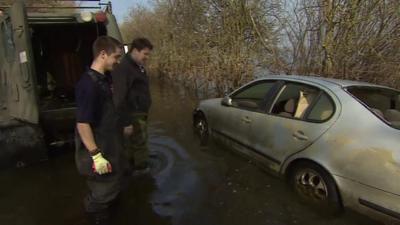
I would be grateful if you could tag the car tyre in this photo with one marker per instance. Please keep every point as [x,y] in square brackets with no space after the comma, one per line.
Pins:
[316,187]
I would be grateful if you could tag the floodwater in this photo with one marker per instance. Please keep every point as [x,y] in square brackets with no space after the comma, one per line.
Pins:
[191,185]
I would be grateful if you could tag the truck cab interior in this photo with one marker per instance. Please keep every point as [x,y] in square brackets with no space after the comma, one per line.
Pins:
[62,52]
[42,56]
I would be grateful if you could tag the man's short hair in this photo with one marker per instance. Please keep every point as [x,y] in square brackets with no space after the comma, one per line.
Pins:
[140,44]
[107,44]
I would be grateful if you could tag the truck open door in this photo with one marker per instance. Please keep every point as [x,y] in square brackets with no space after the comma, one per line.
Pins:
[23,101]
[112,25]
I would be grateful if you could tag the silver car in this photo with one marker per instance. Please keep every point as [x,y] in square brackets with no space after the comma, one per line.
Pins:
[337,142]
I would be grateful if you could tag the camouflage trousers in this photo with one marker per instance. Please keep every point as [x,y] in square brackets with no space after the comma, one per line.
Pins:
[136,144]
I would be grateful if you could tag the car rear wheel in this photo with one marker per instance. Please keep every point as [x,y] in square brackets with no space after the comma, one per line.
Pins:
[201,129]
[316,187]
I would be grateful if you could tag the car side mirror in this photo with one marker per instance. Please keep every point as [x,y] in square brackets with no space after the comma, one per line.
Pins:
[226,101]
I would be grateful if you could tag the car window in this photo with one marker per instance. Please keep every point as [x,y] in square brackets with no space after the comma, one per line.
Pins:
[384,103]
[253,96]
[294,100]
[322,110]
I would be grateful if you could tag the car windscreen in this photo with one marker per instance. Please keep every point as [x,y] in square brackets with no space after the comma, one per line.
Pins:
[383,102]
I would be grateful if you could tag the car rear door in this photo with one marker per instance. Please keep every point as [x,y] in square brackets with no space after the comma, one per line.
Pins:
[298,115]
[22,98]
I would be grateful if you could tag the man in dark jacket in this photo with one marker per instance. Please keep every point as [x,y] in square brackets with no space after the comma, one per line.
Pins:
[132,100]
[99,155]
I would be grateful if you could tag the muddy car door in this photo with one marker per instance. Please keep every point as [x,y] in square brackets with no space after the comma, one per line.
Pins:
[299,115]
[236,120]
[22,99]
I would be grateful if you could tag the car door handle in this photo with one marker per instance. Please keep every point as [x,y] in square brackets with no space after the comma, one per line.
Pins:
[246,119]
[300,135]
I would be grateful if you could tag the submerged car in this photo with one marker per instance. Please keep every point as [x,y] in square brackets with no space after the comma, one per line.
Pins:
[337,142]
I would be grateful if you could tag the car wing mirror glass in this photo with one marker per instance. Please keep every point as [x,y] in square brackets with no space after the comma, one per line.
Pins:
[226,101]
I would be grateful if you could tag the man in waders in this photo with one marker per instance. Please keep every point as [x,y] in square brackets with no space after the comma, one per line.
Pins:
[132,100]
[98,146]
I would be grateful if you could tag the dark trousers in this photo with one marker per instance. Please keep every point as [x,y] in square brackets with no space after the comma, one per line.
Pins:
[102,192]
[136,144]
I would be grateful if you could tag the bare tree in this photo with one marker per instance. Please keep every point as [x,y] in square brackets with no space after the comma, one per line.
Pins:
[352,39]
[218,44]
[210,43]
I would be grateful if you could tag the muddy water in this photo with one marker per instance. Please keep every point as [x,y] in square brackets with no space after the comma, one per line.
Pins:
[191,185]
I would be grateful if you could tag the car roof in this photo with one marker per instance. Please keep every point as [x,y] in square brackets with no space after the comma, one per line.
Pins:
[327,82]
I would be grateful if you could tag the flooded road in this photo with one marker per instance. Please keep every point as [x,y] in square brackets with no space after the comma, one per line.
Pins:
[191,185]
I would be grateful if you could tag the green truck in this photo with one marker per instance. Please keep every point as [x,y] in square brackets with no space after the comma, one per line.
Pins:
[42,56]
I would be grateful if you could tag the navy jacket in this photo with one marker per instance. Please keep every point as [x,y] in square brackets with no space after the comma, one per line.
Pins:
[131,92]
